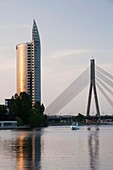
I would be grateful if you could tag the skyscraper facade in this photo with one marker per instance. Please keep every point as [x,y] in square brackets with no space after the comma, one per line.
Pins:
[29,66]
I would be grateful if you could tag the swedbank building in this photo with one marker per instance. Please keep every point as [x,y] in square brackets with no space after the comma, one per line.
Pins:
[29,66]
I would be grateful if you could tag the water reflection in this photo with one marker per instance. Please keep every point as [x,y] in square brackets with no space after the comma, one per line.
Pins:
[28,150]
[93,144]
[57,148]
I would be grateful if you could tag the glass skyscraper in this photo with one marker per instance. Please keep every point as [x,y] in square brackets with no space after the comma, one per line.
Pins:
[29,66]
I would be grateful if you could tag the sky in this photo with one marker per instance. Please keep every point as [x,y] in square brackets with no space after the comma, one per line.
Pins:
[71,32]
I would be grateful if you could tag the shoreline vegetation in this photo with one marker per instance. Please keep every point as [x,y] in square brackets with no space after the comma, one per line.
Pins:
[20,109]
[81,119]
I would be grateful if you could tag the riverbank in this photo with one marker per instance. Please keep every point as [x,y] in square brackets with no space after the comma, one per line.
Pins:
[14,127]
[80,124]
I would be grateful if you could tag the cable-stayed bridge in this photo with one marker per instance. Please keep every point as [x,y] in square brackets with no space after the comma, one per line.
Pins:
[99,78]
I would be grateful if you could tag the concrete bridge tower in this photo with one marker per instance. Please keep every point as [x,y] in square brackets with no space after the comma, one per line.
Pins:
[92,87]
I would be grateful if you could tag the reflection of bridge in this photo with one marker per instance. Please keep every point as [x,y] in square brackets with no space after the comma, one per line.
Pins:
[102,79]
[93,143]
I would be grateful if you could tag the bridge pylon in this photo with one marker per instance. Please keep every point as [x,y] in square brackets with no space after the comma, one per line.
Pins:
[92,87]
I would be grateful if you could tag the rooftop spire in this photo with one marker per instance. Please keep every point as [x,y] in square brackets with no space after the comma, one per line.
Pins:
[34,23]
[35,34]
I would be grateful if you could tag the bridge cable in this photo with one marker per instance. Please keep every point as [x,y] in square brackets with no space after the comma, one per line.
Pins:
[69,93]
[105,79]
[105,95]
[104,72]
[104,85]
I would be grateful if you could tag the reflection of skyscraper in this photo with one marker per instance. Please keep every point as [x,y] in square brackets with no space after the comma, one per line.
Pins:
[28,148]
[29,66]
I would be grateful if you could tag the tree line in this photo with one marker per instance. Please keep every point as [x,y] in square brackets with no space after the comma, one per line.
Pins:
[20,109]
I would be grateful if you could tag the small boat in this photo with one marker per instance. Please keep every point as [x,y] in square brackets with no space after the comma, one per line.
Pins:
[74,126]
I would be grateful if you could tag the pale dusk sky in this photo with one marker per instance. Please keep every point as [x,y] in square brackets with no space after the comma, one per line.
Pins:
[71,32]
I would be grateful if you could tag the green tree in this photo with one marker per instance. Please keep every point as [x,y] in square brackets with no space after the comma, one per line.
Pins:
[42,118]
[34,119]
[40,107]
[20,106]
[19,121]
[3,112]
[80,117]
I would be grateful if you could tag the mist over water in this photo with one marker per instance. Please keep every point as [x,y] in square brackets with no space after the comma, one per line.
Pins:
[57,148]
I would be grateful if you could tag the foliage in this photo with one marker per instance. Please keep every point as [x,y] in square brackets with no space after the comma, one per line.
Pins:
[21,108]
[33,119]
[40,107]
[37,117]
[80,117]
[3,112]
[19,121]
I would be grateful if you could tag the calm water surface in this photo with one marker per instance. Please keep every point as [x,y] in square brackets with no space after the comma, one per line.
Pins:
[57,148]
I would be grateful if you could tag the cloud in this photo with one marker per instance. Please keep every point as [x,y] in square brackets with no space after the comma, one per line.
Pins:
[64,53]
[67,53]
[15,26]
[5,47]
[7,65]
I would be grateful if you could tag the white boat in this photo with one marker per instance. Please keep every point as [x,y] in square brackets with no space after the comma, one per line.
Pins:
[74,126]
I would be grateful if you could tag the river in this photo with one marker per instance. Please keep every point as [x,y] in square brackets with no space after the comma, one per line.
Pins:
[57,148]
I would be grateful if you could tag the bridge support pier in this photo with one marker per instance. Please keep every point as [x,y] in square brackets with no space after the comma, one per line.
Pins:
[92,87]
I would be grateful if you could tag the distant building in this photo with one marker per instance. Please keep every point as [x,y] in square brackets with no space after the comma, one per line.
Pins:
[7,103]
[29,66]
